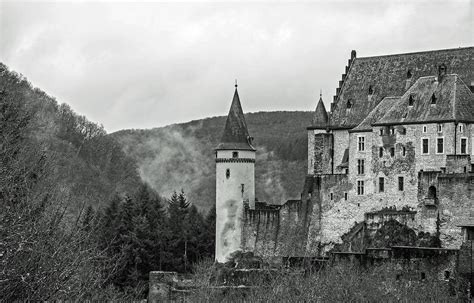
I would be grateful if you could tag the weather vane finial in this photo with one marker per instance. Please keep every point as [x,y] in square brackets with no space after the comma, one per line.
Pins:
[235,83]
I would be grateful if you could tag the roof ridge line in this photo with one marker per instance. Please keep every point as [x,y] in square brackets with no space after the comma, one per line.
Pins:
[419,52]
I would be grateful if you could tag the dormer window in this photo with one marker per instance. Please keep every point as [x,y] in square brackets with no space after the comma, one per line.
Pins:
[235,154]
[409,74]
[371,90]
[411,100]
[349,104]
[433,99]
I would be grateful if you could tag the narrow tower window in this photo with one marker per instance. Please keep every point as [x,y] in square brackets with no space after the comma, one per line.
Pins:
[227,173]
[371,90]
[433,99]
[235,154]
[381,185]
[411,100]
[349,104]
[400,183]
[409,74]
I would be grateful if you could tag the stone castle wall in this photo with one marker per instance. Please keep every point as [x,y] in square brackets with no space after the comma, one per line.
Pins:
[332,206]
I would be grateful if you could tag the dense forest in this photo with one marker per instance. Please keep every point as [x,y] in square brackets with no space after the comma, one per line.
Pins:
[77,222]
[182,155]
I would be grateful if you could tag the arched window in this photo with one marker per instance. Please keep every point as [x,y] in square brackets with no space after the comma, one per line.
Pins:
[432,192]
[409,74]
[227,173]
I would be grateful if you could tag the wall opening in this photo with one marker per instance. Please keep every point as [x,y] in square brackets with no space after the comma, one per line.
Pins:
[227,173]
[432,192]
[235,154]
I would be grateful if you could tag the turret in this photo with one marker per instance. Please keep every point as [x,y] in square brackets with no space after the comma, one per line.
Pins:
[235,180]
[319,142]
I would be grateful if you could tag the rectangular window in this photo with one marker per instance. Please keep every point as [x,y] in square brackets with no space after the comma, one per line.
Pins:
[392,131]
[440,145]
[381,185]
[424,146]
[424,128]
[235,154]
[361,143]
[400,183]
[463,145]
[331,195]
[380,152]
[360,166]
[392,152]
[404,151]
[440,128]
[381,131]
[460,128]
[360,188]
[345,196]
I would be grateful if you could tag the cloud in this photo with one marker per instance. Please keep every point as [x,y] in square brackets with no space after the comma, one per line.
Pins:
[140,65]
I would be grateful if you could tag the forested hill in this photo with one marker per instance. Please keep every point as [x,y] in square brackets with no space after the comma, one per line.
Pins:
[181,156]
[85,165]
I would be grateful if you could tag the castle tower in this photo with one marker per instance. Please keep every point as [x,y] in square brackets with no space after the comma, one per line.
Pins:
[319,142]
[235,180]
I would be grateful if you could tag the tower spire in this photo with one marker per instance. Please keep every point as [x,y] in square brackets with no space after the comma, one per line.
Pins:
[236,135]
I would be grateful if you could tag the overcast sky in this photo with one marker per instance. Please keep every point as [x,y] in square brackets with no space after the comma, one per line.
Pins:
[149,64]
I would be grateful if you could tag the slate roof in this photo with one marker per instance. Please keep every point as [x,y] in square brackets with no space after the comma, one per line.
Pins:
[378,112]
[320,116]
[388,76]
[453,101]
[236,135]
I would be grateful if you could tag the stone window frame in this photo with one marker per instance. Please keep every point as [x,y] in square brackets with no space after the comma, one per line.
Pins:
[404,151]
[472,145]
[461,128]
[345,196]
[421,146]
[361,143]
[381,184]
[360,187]
[437,150]
[424,129]
[360,166]
[440,127]
[235,154]
[465,146]
[402,183]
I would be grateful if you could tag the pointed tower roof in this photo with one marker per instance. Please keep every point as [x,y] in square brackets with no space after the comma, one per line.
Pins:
[236,135]
[320,116]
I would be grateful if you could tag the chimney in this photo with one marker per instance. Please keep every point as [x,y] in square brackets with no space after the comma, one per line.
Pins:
[353,54]
[442,71]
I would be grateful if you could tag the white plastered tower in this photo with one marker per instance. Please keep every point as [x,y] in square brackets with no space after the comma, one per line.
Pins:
[235,181]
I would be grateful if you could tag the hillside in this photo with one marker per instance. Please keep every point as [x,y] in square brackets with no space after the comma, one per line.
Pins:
[181,156]
[84,163]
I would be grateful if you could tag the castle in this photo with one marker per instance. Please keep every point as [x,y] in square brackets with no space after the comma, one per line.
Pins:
[397,145]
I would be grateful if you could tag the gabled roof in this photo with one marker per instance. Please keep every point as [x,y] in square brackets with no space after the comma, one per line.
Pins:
[378,112]
[320,116]
[389,76]
[453,101]
[236,135]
